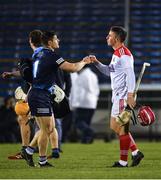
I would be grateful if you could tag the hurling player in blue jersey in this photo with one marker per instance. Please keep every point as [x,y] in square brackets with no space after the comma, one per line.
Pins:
[35,43]
[45,66]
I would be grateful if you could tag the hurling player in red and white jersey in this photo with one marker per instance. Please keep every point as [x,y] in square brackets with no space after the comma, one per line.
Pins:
[121,72]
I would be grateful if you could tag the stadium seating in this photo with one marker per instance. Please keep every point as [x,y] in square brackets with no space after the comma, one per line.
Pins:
[82,28]
[81,25]
[145,37]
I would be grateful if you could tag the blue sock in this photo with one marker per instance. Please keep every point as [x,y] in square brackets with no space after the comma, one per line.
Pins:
[30,150]
[55,150]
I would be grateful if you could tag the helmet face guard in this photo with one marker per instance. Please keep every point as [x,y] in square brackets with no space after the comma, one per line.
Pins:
[146,116]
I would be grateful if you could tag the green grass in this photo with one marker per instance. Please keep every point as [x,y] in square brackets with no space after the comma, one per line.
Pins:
[84,162]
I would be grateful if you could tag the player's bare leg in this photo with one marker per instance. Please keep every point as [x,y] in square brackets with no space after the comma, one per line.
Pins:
[34,141]
[46,128]
[24,129]
[115,126]
[54,144]
[25,135]
[53,141]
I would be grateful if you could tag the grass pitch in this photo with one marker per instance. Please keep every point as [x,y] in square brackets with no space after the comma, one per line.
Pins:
[80,161]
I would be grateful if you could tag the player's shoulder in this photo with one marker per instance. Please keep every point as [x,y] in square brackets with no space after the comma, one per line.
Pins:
[122,51]
[50,53]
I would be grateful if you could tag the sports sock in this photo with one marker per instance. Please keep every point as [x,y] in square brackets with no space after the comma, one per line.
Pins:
[55,150]
[134,153]
[124,146]
[133,146]
[30,150]
[123,163]
[42,159]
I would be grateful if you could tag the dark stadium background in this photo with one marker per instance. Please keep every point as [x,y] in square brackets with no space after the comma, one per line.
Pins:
[82,27]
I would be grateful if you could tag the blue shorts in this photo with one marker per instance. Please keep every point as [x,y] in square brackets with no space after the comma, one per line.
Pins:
[39,101]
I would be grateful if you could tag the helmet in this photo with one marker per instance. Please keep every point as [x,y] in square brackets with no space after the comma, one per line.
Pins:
[146,116]
[25,68]
[21,108]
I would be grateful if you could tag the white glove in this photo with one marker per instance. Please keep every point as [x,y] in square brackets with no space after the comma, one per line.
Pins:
[19,94]
[59,93]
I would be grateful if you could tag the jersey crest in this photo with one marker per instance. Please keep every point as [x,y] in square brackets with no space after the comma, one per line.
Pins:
[122,51]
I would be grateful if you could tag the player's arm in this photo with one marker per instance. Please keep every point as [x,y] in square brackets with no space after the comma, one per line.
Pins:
[74,67]
[6,75]
[104,69]
[131,86]
[130,80]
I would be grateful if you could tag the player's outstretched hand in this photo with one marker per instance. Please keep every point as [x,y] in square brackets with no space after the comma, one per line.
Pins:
[6,75]
[87,60]
[93,58]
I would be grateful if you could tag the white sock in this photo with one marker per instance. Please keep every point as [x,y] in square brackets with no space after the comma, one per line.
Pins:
[123,163]
[43,162]
[134,153]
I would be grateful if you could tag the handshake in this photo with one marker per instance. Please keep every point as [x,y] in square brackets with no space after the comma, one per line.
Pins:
[90,59]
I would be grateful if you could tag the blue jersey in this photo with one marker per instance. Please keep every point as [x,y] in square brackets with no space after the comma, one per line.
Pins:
[45,67]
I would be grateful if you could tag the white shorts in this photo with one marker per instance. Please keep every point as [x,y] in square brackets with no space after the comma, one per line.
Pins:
[118,106]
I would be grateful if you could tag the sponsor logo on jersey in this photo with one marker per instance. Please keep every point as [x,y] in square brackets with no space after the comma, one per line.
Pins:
[43,110]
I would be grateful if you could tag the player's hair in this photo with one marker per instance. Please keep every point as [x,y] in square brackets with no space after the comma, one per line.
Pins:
[47,36]
[36,36]
[120,32]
